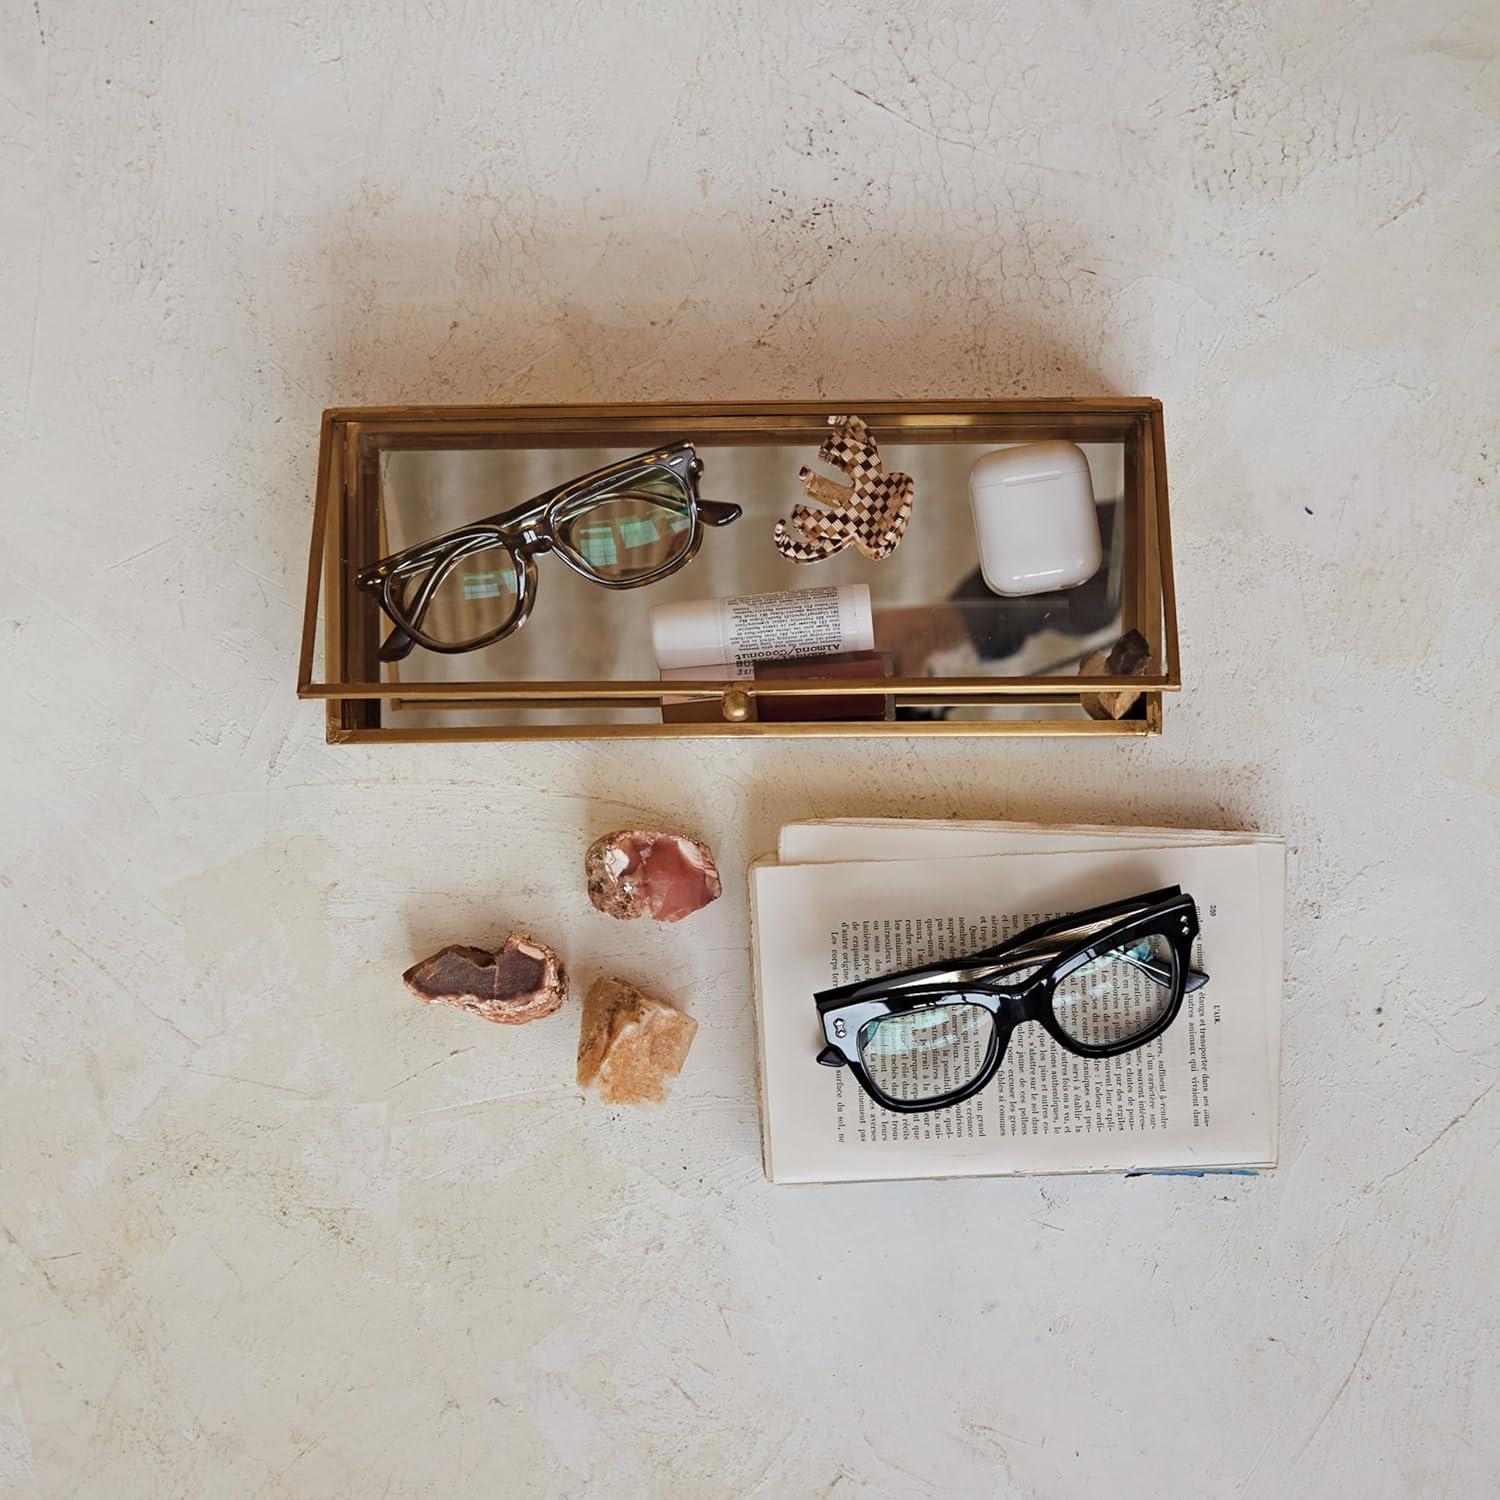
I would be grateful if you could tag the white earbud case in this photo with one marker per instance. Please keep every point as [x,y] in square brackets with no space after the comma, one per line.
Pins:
[1035,519]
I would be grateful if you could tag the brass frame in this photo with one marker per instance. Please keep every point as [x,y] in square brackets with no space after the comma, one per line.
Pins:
[345,471]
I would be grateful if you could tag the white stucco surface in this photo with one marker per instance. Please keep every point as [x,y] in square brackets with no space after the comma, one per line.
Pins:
[269,1228]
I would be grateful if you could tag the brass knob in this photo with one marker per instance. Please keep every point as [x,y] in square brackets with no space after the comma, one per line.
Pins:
[736,705]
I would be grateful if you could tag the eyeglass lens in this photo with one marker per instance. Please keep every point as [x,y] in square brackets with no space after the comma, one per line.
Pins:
[1112,998]
[924,1054]
[475,596]
[633,533]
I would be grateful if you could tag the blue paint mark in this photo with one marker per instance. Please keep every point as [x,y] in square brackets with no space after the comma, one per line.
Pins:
[1308,509]
[1197,1172]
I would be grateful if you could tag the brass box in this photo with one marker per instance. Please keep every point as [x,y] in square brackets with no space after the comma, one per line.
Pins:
[390,476]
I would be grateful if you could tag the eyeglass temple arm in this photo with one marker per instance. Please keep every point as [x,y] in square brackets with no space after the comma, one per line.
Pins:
[1120,910]
[1022,955]
[397,646]
[537,504]
[1196,978]
[1028,937]
[526,509]
[719,512]
[1157,972]
[714,512]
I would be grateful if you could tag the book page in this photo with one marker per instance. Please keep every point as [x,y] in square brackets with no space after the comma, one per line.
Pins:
[1198,1095]
[842,840]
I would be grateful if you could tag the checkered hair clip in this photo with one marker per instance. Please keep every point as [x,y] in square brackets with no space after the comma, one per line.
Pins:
[871,511]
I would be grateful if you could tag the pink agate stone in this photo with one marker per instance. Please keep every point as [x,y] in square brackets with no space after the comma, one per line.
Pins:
[634,872]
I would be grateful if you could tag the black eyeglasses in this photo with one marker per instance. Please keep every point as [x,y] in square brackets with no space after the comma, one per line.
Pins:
[1102,982]
[622,526]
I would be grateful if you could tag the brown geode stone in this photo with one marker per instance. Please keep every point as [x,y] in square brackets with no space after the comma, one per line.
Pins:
[630,1043]
[523,981]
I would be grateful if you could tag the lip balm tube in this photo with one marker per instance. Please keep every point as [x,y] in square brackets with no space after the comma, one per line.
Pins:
[763,627]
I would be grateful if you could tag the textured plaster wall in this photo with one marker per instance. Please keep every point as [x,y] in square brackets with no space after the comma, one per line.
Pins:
[267,1228]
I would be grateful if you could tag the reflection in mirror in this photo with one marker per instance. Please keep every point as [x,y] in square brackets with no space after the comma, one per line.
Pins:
[934,614]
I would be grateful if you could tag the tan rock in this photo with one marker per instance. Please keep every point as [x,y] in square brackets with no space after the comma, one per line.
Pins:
[1130,656]
[522,981]
[631,1043]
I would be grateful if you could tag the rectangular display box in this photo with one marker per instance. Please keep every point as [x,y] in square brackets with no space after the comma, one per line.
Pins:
[964,660]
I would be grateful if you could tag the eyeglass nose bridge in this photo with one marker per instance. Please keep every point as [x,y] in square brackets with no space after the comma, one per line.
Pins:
[530,541]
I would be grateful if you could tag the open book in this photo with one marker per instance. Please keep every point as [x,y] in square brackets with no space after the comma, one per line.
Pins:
[846,900]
